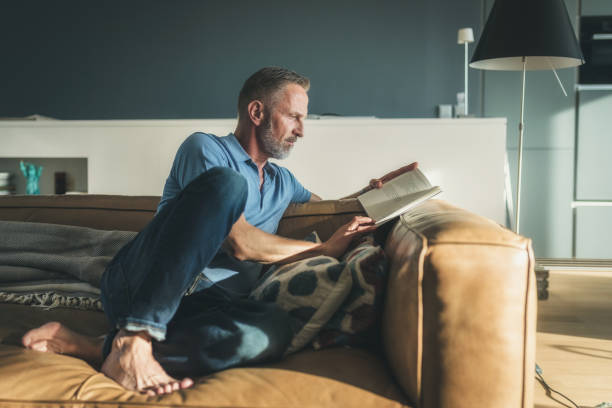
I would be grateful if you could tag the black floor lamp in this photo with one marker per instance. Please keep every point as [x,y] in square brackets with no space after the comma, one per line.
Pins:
[526,35]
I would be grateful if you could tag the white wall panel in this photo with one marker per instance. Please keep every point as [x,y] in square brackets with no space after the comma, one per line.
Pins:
[335,158]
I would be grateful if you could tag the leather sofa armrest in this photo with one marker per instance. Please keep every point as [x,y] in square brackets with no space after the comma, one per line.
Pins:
[460,311]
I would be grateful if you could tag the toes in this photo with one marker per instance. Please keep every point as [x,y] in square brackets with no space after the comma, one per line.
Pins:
[153,390]
[46,346]
[163,389]
[39,345]
[167,388]
[44,332]
[186,383]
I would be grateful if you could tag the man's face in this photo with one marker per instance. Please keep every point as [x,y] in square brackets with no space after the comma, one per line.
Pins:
[284,121]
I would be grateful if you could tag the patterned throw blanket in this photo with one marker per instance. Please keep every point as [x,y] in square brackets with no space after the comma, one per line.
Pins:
[51,265]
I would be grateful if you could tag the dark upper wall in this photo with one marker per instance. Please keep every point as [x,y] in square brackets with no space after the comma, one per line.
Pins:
[142,59]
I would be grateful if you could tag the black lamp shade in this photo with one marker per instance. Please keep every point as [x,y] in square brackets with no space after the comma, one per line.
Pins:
[539,30]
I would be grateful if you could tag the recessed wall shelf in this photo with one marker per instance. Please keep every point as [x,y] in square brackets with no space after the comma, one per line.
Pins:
[75,169]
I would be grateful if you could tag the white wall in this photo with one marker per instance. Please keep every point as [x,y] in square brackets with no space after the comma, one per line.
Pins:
[335,158]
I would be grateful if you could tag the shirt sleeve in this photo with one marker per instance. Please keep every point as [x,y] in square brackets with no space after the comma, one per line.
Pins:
[198,153]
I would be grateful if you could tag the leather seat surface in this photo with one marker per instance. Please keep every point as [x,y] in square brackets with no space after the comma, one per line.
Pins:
[333,377]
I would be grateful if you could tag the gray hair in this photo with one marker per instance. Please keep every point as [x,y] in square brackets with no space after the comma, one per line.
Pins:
[265,83]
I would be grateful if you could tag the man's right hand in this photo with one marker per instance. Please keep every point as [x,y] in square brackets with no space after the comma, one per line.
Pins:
[337,244]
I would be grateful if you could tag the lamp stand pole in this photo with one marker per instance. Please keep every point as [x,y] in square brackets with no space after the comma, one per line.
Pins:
[465,80]
[520,152]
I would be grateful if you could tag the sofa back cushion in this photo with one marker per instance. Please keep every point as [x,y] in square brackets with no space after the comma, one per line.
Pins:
[132,213]
[105,212]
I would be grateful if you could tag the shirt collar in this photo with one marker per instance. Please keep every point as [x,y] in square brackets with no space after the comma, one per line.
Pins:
[240,154]
[236,148]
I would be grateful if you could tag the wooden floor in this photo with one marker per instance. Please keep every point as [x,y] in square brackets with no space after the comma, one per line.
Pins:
[574,339]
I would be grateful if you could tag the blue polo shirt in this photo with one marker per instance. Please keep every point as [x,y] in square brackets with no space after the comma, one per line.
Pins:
[264,207]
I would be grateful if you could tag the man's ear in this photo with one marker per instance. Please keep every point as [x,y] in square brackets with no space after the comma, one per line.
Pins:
[255,110]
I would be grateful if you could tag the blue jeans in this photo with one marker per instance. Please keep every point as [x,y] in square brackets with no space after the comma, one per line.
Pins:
[144,286]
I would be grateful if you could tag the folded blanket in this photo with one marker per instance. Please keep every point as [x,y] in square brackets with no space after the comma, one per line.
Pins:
[79,252]
[12,273]
[53,293]
[53,265]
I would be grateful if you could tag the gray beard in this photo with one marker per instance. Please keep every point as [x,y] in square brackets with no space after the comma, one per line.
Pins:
[270,145]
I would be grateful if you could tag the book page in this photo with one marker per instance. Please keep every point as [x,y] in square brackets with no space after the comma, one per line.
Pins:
[386,211]
[397,196]
[403,185]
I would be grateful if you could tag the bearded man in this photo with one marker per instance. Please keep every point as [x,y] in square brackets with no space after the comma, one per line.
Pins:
[176,295]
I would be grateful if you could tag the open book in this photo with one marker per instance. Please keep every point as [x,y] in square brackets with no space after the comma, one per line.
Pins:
[397,196]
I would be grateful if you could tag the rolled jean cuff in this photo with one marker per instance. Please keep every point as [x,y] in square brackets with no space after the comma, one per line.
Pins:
[156,331]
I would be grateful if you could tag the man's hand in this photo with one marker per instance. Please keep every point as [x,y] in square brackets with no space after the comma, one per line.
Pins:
[337,244]
[247,242]
[378,183]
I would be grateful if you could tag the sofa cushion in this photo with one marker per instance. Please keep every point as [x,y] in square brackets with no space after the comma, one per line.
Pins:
[105,212]
[310,290]
[354,323]
[132,213]
[329,378]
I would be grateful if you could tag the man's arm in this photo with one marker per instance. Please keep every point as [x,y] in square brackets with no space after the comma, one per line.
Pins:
[314,197]
[247,242]
[378,182]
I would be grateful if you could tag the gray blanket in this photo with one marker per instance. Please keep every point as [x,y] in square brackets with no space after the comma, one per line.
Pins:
[55,265]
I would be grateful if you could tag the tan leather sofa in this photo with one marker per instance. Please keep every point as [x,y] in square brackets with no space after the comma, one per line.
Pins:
[458,327]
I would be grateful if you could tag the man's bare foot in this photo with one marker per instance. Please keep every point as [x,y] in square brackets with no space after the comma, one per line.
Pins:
[53,337]
[131,364]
